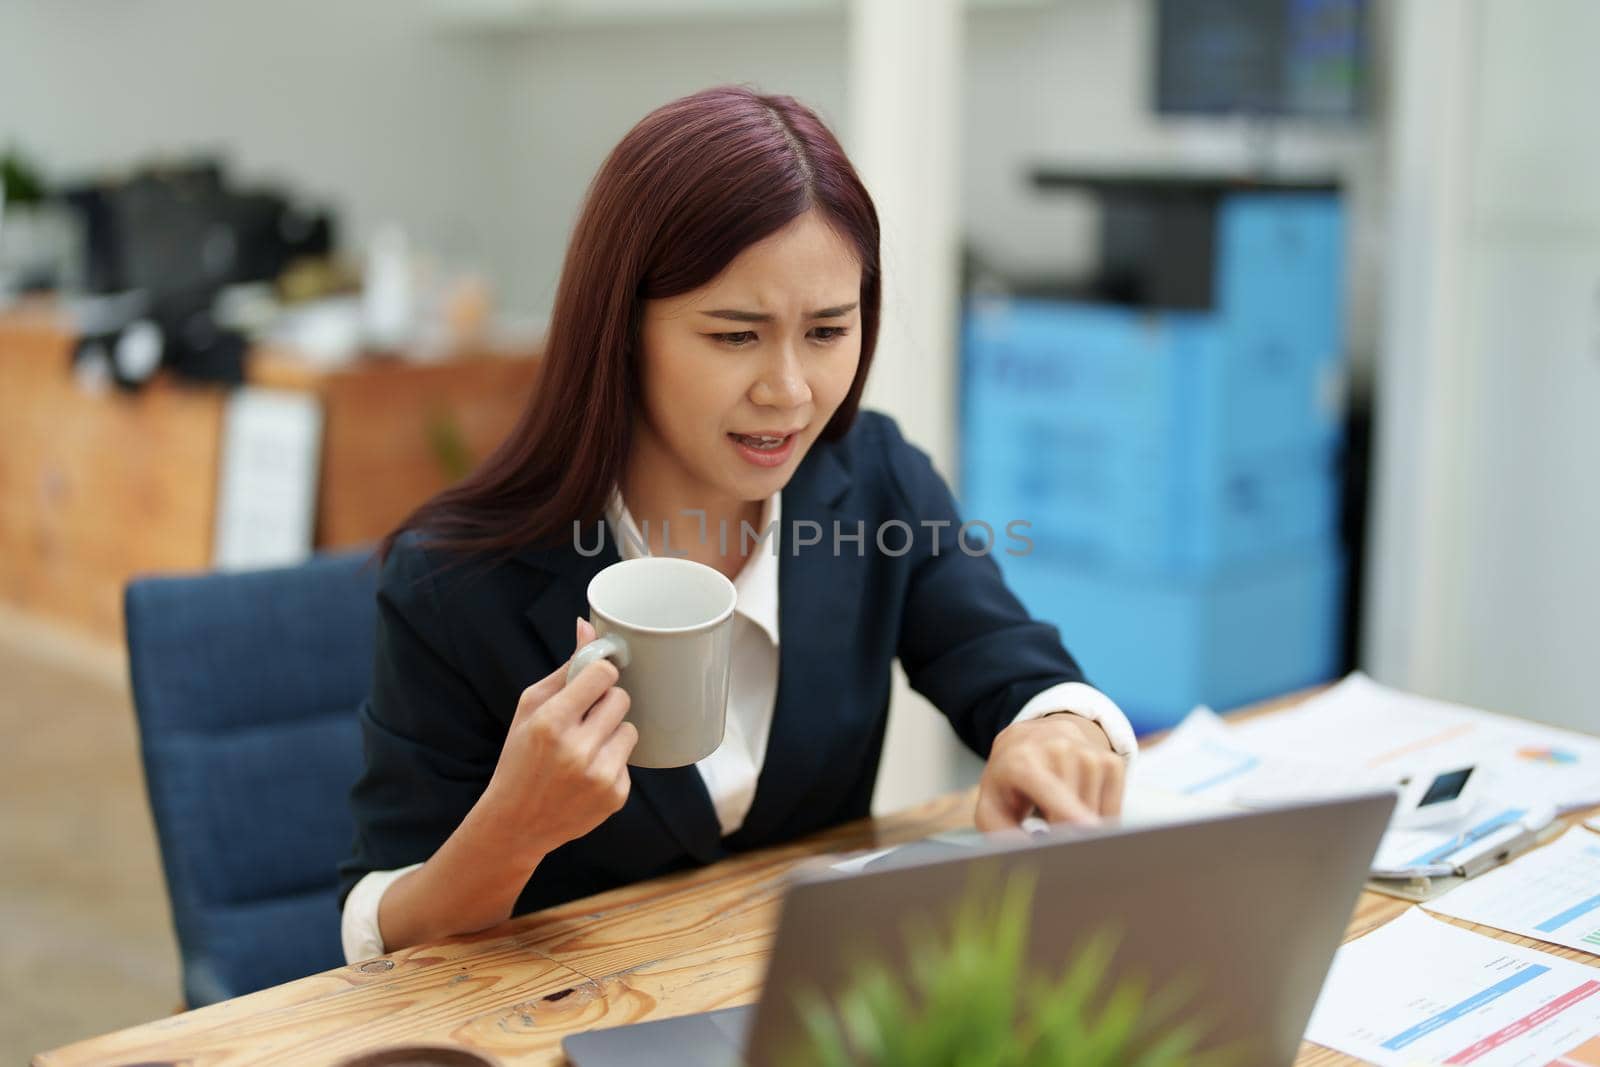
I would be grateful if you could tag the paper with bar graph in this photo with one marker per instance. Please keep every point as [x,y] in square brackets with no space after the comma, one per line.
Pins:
[1420,991]
[1552,894]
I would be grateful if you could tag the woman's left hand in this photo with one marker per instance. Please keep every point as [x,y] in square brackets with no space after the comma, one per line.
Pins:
[1061,765]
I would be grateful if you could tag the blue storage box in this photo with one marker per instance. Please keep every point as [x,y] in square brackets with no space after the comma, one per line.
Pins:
[1170,441]
[1280,266]
[1145,442]
[1160,646]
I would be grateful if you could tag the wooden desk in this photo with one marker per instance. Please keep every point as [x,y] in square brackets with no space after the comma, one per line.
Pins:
[692,942]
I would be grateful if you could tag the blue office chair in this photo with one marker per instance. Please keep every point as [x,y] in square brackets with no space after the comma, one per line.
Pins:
[246,688]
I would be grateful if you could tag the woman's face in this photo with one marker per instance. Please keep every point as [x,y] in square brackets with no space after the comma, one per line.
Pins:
[741,375]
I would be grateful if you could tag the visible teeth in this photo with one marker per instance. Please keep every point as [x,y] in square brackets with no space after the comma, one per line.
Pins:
[762,442]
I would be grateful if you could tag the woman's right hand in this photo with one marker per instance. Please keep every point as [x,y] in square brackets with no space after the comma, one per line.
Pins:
[564,767]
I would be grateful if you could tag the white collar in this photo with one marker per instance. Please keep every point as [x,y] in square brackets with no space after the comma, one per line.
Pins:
[756,585]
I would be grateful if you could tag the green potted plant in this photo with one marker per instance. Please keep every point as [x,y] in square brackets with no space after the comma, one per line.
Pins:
[36,234]
[967,1000]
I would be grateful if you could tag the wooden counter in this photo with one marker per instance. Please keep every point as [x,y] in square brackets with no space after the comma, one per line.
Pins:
[98,487]
[395,433]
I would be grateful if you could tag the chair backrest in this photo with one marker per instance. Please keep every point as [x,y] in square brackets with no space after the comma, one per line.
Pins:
[246,688]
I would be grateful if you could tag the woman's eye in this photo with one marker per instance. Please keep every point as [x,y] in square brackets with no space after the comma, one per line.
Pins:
[829,333]
[738,339]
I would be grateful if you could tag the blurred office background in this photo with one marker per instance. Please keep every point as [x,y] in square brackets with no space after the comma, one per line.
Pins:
[1279,320]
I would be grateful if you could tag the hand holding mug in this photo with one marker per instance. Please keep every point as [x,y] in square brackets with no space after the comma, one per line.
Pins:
[564,767]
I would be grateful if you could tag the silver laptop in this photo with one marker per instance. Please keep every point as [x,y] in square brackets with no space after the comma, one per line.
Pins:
[1246,909]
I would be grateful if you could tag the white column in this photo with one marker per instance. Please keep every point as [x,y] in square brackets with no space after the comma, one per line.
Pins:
[1486,579]
[1416,476]
[903,133]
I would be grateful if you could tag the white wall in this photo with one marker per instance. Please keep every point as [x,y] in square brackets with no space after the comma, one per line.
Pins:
[364,104]
[577,89]
[1489,583]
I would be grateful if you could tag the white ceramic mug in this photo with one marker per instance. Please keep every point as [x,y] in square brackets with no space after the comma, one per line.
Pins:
[667,624]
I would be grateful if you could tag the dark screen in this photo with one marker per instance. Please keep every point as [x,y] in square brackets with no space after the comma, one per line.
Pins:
[1263,57]
[1446,787]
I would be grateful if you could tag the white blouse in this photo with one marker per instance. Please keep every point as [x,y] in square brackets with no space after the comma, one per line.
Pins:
[730,773]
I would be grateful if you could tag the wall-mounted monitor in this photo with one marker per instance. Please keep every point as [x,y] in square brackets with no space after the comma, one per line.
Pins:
[1272,58]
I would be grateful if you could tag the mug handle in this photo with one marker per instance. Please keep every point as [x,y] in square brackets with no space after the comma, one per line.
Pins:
[611,647]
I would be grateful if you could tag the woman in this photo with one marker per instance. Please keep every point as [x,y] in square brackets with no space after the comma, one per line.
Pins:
[710,339]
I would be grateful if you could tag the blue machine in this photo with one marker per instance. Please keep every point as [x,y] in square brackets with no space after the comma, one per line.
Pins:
[1180,468]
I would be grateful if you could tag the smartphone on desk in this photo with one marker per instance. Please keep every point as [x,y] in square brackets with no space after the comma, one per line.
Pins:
[1422,800]
[1436,799]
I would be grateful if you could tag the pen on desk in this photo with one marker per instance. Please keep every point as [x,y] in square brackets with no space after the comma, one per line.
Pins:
[1465,838]
[1531,825]
[1033,823]
[1428,870]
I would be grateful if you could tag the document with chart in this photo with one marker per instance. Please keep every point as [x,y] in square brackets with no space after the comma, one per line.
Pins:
[1359,735]
[1361,724]
[1552,894]
[1418,990]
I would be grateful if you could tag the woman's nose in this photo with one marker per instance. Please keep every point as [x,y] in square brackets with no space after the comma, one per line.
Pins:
[783,382]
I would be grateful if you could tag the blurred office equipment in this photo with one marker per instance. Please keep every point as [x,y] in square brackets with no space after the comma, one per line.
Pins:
[246,688]
[1177,456]
[176,237]
[1267,58]
[96,488]
[184,228]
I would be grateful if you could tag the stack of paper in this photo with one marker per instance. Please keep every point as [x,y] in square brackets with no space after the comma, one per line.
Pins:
[1361,724]
[1359,736]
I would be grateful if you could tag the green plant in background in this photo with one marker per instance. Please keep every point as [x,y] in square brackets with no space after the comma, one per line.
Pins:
[966,1001]
[448,444]
[20,181]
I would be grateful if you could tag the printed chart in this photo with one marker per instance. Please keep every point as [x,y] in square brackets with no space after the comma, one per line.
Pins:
[1552,894]
[1420,991]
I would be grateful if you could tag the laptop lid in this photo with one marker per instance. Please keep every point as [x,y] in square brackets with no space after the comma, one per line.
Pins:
[1246,909]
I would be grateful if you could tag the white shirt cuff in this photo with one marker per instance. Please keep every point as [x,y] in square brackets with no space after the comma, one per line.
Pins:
[358,923]
[1080,698]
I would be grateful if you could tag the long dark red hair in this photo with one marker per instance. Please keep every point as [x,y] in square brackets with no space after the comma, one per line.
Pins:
[695,183]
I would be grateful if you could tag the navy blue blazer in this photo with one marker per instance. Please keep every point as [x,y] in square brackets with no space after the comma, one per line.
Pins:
[456,645]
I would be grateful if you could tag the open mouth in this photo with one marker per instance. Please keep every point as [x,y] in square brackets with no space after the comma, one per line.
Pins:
[762,443]
[764,450]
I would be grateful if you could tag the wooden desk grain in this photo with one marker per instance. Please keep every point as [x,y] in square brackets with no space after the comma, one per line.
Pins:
[688,943]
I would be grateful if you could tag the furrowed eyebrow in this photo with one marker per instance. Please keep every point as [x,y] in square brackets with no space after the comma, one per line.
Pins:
[760,316]
[833,312]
